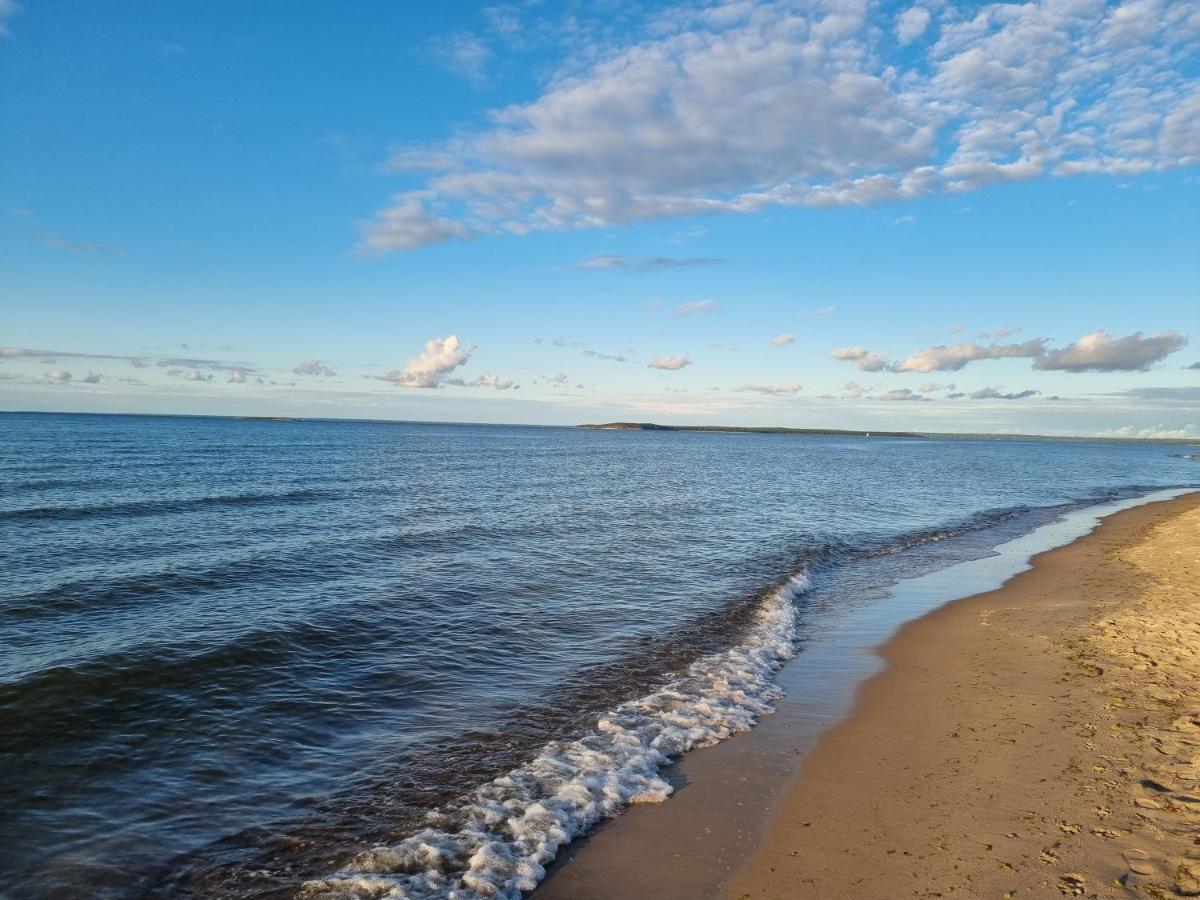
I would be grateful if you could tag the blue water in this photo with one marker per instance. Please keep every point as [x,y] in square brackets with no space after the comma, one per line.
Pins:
[233,654]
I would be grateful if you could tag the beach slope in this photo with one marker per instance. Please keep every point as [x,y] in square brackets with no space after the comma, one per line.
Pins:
[1037,740]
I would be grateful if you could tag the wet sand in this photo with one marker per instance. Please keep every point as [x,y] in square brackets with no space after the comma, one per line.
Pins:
[1036,740]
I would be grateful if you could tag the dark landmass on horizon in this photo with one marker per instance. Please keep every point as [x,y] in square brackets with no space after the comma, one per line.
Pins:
[645,426]
[915,435]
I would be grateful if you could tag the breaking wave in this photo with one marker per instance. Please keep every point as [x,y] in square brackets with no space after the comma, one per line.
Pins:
[497,842]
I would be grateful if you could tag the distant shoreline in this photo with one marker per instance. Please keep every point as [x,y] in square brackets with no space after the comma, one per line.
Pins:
[914,435]
[640,426]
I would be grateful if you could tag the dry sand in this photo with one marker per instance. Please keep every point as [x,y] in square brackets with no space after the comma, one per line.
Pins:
[1038,740]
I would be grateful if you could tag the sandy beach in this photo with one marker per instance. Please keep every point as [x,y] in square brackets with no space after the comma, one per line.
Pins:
[1035,740]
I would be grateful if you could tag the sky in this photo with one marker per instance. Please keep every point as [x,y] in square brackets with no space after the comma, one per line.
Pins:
[922,215]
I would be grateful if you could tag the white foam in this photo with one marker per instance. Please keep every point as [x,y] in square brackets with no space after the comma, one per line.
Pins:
[512,827]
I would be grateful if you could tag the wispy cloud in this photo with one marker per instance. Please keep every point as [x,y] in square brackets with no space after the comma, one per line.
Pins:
[462,54]
[638,264]
[782,340]
[695,308]
[989,393]
[56,242]
[815,313]
[8,9]
[771,390]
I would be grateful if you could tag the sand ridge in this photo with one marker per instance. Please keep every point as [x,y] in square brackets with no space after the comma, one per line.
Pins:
[1038,740]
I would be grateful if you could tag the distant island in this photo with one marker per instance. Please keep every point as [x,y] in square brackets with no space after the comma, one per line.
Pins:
[736,429]
[914,435]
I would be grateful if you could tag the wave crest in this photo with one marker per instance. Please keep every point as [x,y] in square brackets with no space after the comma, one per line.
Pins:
[497,842]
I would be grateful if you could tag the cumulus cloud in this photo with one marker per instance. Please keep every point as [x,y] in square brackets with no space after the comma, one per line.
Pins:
[782,340]
[695,308]
[92,378]
[433,366]
[619,263]
[954,357]
[771,390]
[313,367]
[989,393]
[912,24]
[59,376]
[737,107]
[1101,352]
[671,363]
[863,359]
[237,376]
[196,375]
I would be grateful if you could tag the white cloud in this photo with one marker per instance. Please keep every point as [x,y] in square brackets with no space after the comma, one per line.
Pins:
[929,387]
[950,359]
[738,107]
[671,363]
[92,378]
[440,357]
[237,376]
[998,333]
[59,376]
[864,360]
[695,307]
[771,390]
[1101,352]
[1159,432]
[912,24]
[782,340]
[196,375]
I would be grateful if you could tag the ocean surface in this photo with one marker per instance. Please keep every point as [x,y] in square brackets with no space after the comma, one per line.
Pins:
[340,659]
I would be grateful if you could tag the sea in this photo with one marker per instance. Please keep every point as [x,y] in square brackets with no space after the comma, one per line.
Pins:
[348,659]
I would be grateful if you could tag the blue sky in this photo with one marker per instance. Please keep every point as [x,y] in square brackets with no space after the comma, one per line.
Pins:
[903,215]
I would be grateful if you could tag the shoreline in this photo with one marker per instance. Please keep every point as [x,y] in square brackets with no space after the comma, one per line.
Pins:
[787,810]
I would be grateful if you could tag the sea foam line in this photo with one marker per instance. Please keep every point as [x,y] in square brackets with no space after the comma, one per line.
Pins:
[509,830]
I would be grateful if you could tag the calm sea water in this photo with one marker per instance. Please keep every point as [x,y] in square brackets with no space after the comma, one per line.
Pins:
[239,657]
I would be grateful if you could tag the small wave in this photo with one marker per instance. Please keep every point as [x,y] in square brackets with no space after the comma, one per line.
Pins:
[497,842]
[154,507]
